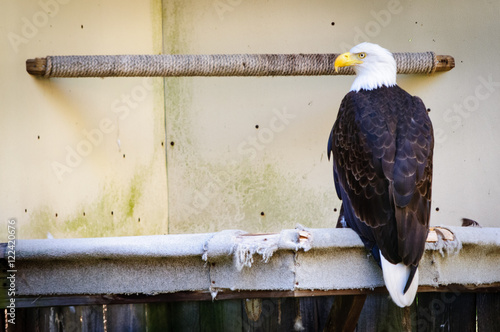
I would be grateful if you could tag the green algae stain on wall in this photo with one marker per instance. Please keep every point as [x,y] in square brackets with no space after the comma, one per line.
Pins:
[133,196]
[208,195]
[252,197]
[178,96]
[212,195]
[157,24]
[119,210]
[179,18]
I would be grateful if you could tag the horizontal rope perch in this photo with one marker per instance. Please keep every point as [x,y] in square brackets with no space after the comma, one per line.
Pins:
[219,65]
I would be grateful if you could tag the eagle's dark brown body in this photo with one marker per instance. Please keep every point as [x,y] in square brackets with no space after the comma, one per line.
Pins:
[382,144]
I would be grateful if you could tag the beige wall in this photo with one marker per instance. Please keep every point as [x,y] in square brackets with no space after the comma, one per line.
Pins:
[63,141]
[81,157]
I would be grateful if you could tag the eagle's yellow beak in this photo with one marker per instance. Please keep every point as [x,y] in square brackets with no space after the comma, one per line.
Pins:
[347,59]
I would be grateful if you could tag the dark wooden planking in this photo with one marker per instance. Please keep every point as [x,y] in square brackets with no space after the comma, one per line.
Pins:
[157,316]
[78,299]
[5,284]
[3,253]
[463,313]
[262,315]
[183,316]
[314,312]
[488,312]
[25,320]
[454,288]
[324,305]
[287,312]
[47,319]
[194,316]
[91,318]
[37,319]
[394,317]
[430,312]
[344,313]
[221,316]
[308,314]
[230,313]
[2,320]
[275,314]
[453,311]
[69,318]
[126,317]
[78,318]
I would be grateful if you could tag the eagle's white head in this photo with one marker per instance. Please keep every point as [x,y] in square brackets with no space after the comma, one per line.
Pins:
[374,66]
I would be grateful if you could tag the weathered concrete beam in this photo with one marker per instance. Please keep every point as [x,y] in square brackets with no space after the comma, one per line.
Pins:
[299,261]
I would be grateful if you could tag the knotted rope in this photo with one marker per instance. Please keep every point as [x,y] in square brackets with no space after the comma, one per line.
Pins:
[219,65]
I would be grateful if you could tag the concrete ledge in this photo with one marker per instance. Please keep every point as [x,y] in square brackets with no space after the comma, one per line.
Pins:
[290,261]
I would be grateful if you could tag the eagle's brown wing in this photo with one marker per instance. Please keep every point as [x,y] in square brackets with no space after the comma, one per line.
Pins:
[382,144]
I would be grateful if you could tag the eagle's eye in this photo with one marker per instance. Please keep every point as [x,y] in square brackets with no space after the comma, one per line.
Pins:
[362,55]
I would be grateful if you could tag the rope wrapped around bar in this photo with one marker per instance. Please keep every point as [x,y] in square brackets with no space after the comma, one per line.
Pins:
[219,65]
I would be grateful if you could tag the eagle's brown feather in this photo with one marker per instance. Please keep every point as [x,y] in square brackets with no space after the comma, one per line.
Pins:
[382,144]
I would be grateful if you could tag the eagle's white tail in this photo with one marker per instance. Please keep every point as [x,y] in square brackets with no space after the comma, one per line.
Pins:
[395,278]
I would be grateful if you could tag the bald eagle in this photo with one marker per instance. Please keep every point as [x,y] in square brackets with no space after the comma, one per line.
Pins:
[382,144]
